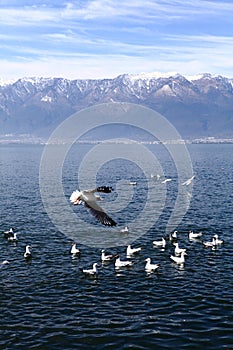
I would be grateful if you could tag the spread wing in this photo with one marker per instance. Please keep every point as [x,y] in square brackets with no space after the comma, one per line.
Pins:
[99,214]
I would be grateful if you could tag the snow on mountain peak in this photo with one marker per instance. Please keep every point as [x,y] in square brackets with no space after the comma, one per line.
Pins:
[206,76]
[35,80]
[149,76]
[4,82]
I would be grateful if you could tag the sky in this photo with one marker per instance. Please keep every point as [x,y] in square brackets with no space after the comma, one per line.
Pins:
[97,39]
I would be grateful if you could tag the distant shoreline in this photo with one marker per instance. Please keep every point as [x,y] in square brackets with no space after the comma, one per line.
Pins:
[41,141]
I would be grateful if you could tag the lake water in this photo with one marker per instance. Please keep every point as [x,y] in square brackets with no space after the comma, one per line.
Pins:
[48,303]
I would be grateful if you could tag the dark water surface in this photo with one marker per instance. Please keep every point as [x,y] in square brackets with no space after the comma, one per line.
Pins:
[48,304]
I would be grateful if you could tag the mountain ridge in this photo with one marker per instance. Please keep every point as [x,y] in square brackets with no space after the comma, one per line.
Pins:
[197,107]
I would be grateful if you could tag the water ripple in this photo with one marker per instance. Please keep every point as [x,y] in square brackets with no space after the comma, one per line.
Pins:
[48,304]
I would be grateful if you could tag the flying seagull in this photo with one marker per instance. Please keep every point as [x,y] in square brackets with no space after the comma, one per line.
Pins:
[189,181]
[89,199]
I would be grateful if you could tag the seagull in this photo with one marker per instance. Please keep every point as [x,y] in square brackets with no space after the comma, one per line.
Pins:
[106,258]
[189,181]
[9,233]
[74,250]
[217,240]
[4,262]
[193,235]
[178,250]
[90,272]
[173,236]
[161,243]
[120,263]
[178,259]
[210,244]
[13,238]
[155,176]
[125,229]
[151,267]
[166,180]
[130,251]
[89,198]
[27,255]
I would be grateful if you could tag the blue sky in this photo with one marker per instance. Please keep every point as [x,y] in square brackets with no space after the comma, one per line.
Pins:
[105,38]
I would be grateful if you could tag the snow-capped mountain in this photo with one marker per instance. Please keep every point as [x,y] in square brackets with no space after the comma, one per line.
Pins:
[197,106]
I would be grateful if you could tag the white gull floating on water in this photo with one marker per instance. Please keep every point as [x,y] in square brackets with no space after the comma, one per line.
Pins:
[122,263]
[151,267]
[4,262]
[217,240]
[74,250]
[131,251]
[214,243]
[27,255]
[90,272]
[13,238]
[107,257]
[173,236]
[178,259]
[153,176]
[133,183]
[9,233]
[178,250]
[125,229]
[89,199]
[193,235]
[161,243]
[210,244]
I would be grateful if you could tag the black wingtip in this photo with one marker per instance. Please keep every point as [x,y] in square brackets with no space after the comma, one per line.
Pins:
[100,215]
[104,189]
[105,220]
[110,223]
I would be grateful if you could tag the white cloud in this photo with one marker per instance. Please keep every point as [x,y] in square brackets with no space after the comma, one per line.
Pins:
[139,10]
[146,9]
[102,38]
[22,17]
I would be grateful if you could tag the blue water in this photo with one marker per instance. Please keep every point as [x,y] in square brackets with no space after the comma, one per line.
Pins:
[48,304]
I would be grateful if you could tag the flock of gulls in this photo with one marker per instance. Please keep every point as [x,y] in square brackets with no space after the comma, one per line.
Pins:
[11,236]
[178,256]
[89,199]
